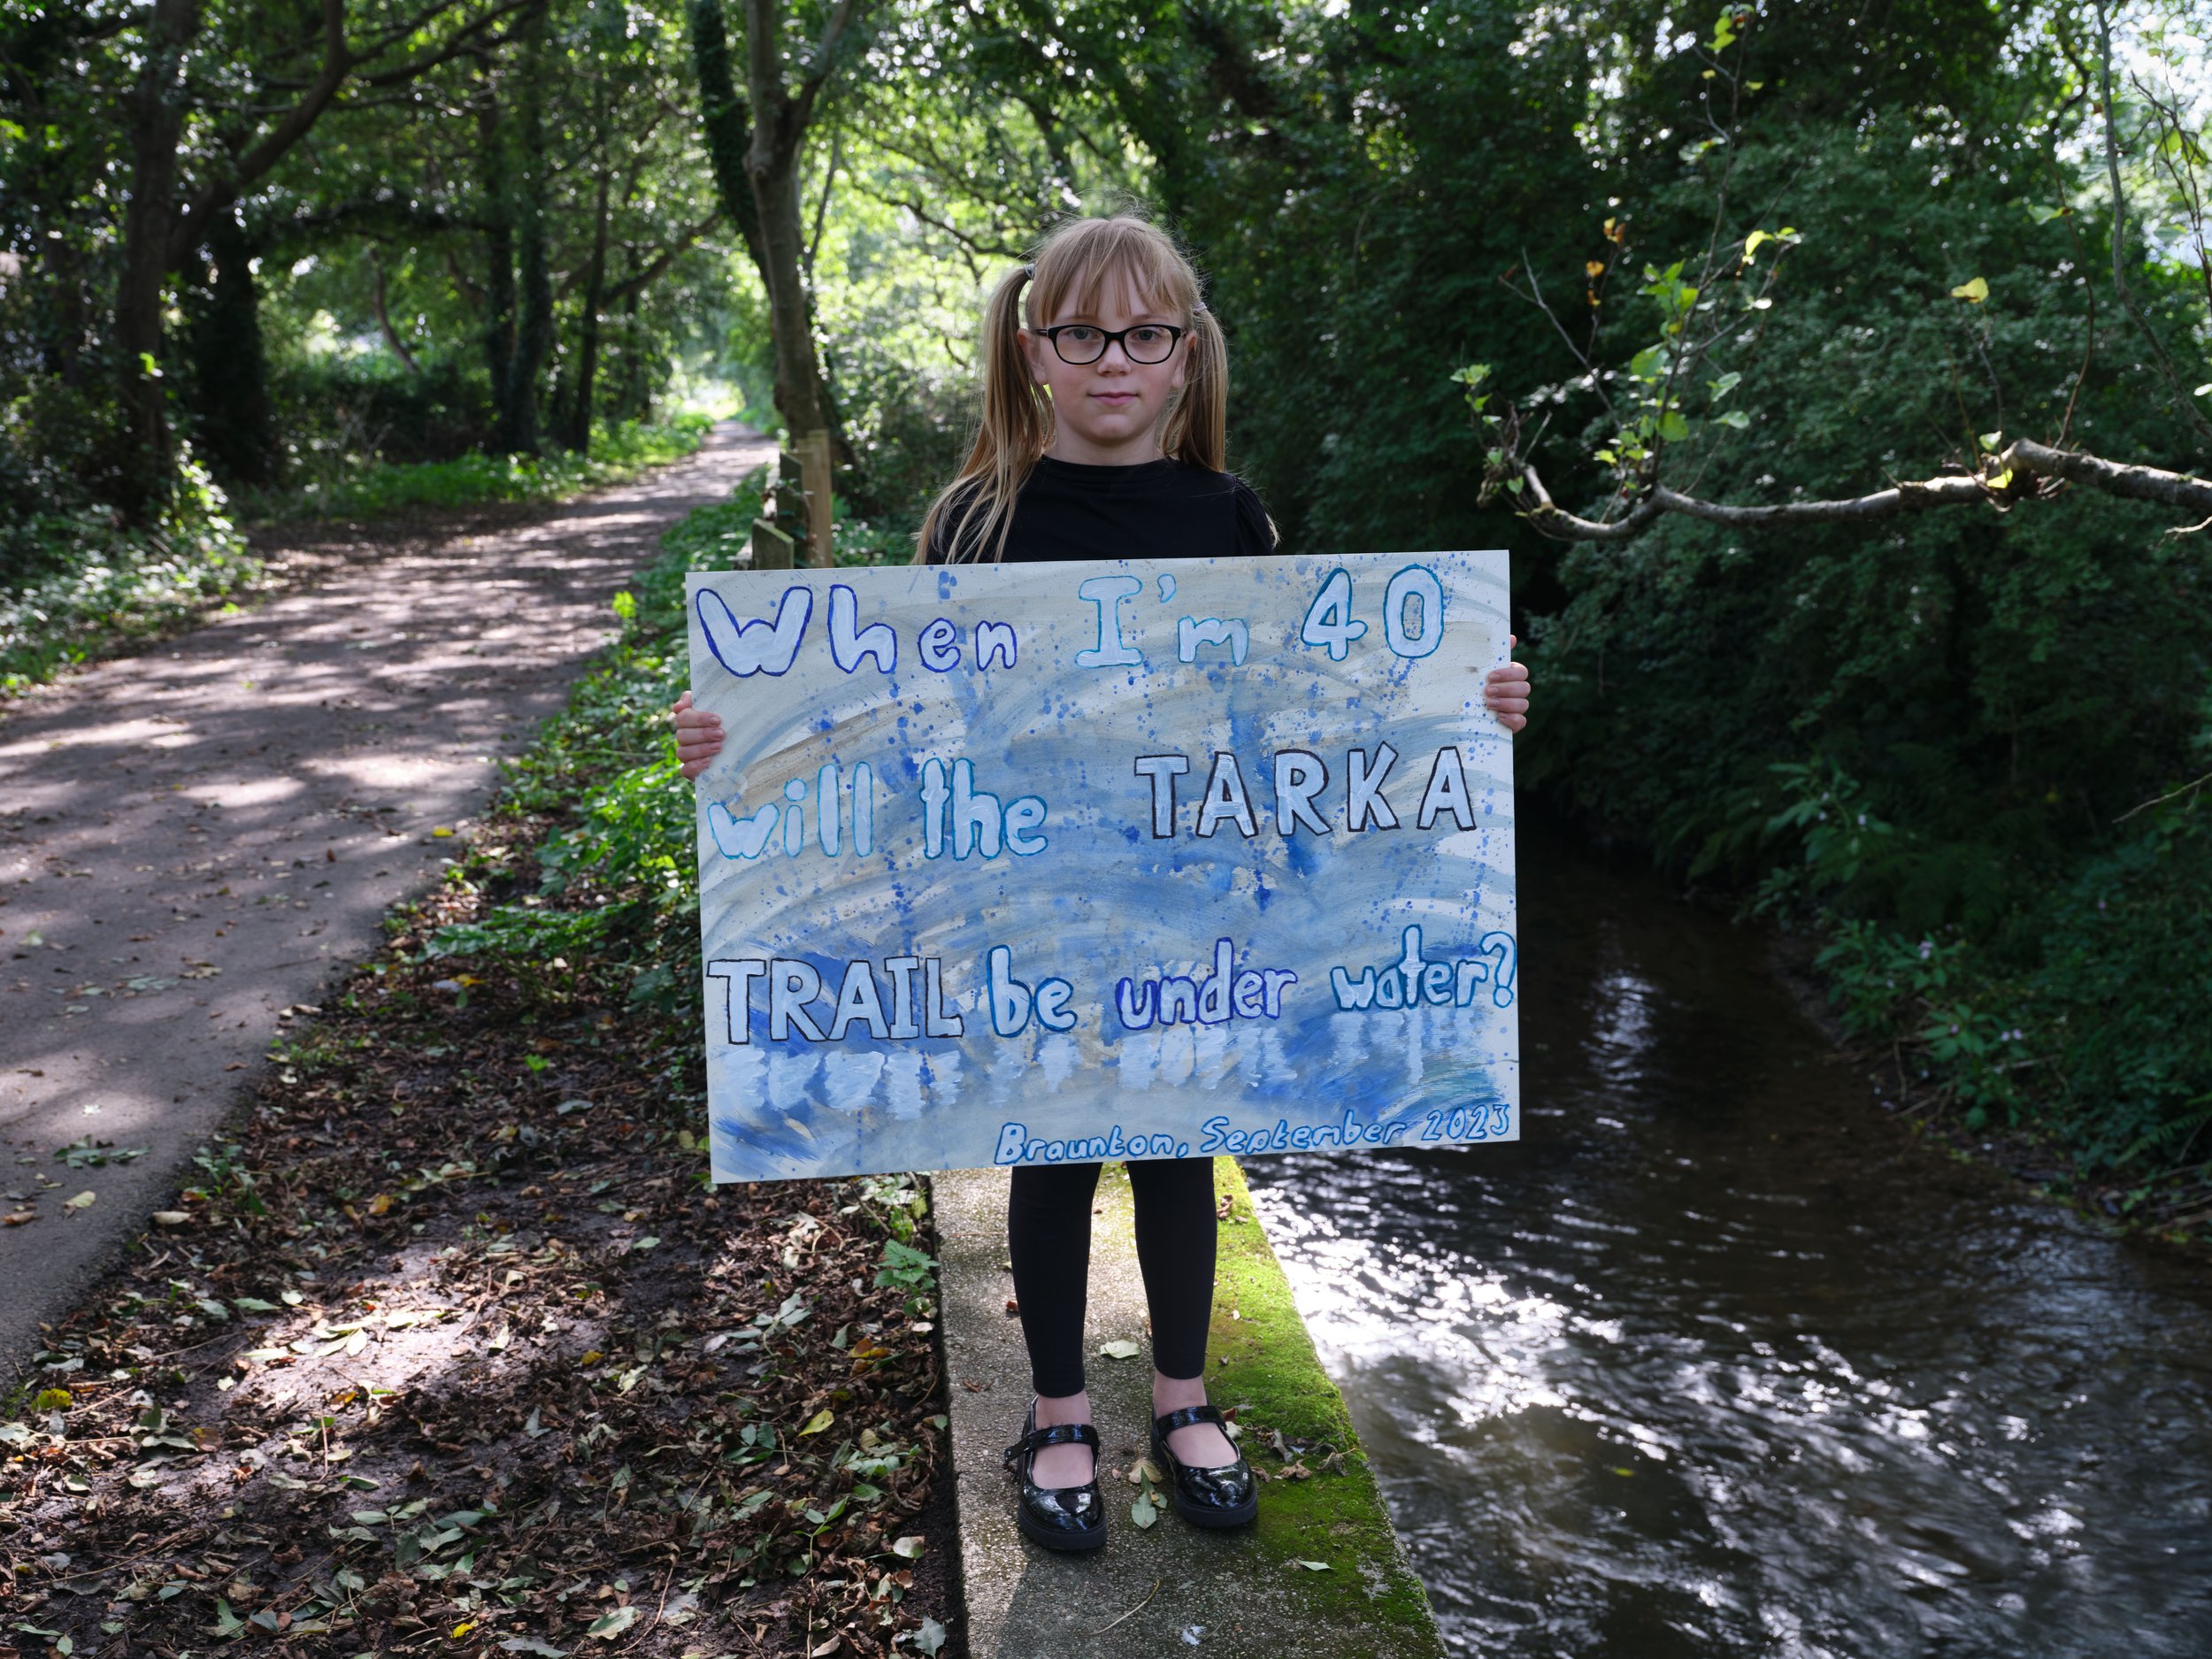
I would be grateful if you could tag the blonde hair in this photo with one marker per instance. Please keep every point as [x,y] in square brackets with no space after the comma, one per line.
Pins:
[1078,260]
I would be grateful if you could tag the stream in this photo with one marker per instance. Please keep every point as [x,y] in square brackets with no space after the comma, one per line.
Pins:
[1718,1361]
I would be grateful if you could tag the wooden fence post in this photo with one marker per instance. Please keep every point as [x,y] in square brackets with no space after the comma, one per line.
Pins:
[771,548]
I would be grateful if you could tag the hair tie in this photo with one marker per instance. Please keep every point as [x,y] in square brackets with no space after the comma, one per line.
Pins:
[1028,273]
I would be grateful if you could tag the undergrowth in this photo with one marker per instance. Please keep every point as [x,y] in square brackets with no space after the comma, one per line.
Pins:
[81,582]
[372,488]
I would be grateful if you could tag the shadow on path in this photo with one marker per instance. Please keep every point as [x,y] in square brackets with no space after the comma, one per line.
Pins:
[191,840]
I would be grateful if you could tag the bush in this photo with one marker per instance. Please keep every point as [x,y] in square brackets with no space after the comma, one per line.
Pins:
[78,582]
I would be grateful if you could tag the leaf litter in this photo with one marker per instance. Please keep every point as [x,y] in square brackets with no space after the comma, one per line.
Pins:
[452,1348]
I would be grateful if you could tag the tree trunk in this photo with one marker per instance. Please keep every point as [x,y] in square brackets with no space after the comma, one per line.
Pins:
[534,321]
[755,144]
[633,402]
[230,376]
[725,119]
[498,312]
[775,177]
[575,432]
[154,109]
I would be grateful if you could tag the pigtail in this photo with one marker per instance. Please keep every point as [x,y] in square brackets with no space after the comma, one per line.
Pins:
[1197,427]
[977,506]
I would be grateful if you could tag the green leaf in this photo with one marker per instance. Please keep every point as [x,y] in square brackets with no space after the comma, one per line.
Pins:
[819,1420]
[1751,245]
[1143,1511]
[227,1623]
[1726,384]
[2044,215]
[1316,1566]
[909,1547]
[929,1638]
[1672,427]
[532,1645]
[1989,440]
[1121,1347]
[1735,417]
[1973,293]
[612,1623]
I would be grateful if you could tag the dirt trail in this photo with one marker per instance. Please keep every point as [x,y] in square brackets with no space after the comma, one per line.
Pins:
[195,840]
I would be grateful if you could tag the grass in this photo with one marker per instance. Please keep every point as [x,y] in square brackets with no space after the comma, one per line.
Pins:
[1321,1504]
[379,488]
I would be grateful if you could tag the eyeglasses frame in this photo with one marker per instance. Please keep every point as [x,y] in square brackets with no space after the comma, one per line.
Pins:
[1113,337]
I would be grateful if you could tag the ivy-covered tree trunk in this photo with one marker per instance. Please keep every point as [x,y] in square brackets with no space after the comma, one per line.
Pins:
[230,376]
[756,143]
[155,112]
[774,171]
[631,401]
[526,177]
[494,206]
[575,422]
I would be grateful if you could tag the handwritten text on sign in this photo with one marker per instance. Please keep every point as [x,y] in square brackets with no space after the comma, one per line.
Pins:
[1033,863]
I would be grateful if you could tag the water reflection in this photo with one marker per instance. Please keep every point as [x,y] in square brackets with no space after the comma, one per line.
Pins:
[1714,1363]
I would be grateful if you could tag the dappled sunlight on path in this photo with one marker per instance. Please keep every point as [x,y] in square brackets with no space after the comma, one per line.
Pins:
[193,840]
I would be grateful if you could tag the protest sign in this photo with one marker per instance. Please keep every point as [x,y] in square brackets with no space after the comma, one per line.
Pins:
[1035,862]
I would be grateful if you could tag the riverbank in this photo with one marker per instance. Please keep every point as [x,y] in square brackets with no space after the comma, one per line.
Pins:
[2169,1207]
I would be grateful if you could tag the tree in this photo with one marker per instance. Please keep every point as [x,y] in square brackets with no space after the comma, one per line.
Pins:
[1717,307]
[246,87]
[756,143]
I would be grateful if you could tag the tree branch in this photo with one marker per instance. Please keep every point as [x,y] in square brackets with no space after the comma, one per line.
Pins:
[384,319]
[668,256]
[2026,471]
[818,71]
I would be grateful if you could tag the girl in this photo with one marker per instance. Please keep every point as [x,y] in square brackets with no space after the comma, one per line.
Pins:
[1102,437]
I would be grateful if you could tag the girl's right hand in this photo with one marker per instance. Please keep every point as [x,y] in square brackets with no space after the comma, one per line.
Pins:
[698,736]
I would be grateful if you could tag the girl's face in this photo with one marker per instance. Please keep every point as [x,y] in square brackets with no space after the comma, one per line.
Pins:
[1108,412]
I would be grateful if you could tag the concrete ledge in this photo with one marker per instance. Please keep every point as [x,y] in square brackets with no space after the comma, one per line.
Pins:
[1149,1592]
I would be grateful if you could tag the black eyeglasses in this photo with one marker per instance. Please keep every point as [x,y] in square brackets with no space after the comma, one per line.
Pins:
[1078,343]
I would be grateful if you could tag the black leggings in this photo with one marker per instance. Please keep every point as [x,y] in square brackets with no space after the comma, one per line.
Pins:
[1048,1240]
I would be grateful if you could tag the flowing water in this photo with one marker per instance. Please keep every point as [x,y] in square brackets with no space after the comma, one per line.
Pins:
[1716,1362]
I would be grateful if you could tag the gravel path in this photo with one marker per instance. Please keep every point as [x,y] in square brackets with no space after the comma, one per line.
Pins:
[196,840]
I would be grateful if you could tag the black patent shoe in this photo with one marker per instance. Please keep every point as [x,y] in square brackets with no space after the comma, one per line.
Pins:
[1223,1496]
[1058,1518]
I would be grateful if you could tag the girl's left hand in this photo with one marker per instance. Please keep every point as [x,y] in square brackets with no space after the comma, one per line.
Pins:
[1505,692]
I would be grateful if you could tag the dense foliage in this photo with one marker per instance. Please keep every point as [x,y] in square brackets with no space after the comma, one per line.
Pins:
[1964,746]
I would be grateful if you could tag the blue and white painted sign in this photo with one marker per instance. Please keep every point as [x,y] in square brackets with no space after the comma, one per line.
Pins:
[1035,862]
